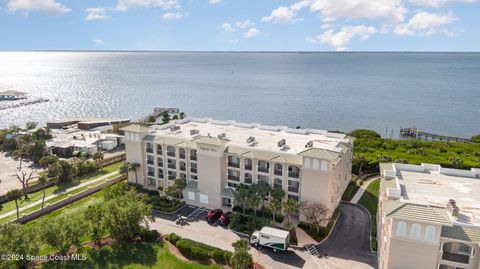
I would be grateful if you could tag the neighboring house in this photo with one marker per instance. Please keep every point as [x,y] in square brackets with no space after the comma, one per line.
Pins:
[216,156]
[428,217]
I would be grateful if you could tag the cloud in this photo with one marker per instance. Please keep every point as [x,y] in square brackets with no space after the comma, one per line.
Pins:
[340,39]
[281,15]
[96,13]
[425,23]
[214,1]
[172,16]
[124,5]
[244,24]
[50,6]
[252,32]
[98,42]
[438,3]
[327,26]
[330,10]
[227,27]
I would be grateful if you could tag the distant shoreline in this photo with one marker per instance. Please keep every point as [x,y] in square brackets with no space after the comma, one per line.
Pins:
[280,51]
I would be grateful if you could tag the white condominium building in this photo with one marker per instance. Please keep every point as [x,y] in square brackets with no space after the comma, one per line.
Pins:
[216,156]
[428,217]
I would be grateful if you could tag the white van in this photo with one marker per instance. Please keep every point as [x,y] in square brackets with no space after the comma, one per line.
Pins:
[271,237]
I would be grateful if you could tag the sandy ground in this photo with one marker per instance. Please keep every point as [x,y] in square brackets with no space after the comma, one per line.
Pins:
[8,168]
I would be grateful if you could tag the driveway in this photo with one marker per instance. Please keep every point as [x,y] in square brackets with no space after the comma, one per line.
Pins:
[350,237]
[9,168]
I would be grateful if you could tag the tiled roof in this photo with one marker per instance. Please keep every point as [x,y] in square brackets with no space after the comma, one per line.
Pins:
[422,213]
[320,154]
[261,155]
[293,159]
[469,234]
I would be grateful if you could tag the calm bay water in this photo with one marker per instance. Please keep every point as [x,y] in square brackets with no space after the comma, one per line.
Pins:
[438,92]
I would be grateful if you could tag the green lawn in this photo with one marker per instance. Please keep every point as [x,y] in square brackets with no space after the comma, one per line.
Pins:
[352,188]
[131,256]
[35,196]
[369,200]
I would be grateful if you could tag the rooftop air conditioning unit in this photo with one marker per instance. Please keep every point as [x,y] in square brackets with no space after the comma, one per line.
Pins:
[194,132]
[222,135]
[309,144]
[251,139]
[281,143]
[174,128]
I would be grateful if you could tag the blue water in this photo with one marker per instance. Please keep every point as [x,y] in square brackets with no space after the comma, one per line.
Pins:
[437,92]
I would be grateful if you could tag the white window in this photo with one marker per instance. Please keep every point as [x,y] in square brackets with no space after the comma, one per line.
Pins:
[316,164]
[191,196]
[401,228]
[324,166]
[415,231]
[430,233]
[204,199]
[307,163]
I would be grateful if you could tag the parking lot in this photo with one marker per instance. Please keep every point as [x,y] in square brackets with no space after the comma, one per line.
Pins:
[196,228]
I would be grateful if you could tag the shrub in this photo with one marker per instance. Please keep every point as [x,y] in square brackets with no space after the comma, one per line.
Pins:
[221,256]
[150,235]
[173,238]
[193,249]
[364,133]
[184,247]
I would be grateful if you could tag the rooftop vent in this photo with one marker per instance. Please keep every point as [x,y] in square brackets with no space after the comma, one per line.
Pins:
[222,135]
[281,143]
[194,132]
[309,144]
[174,128]
[251,139]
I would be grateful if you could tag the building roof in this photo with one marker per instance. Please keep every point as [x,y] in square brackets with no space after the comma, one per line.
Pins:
[12,93]
[422,213]
[261,155]
[228,192]
[469,234]
[215,141]
[320,154]
[275,232]
[137,128]
[293,159]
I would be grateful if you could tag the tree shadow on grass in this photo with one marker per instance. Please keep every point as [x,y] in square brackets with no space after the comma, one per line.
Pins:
[115,256]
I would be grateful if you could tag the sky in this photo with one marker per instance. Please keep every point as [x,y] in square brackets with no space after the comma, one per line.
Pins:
[241,25]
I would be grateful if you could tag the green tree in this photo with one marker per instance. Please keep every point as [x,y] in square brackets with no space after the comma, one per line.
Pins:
[42,180]
[15,195]
[476,138]
[67,173]
[42,134]
[175,117]
[54,170]
[290,206]
[274,205]
[98,157]
[31,125]
[262,189]
[152,118]
[17,239]
[25,180]
[254,201]
[241,259]
[277,193]
[94,216]
[364,133]
[180,184]
[62,232]
[48,160]
[115,190]
[36,150]
[182,115]
[165,117]
[133,168]
[456,162]
[124,168]
[125,216]
[315,213]
[241,196]
[170,192]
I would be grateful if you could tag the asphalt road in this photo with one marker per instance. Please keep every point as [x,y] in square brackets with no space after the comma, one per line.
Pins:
[350,237]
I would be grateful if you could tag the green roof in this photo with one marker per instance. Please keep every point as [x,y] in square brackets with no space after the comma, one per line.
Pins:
[469,234]
[422,213]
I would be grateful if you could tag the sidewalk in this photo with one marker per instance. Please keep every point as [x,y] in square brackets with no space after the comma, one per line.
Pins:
[362,189]
[91,182]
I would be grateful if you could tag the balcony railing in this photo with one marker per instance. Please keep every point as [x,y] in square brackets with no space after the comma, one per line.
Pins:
[454,257]
[277,172]
[151,174]
[294,175]
[263,169]
[170,153]
[234,178]
[160,164]
[183,168]
[160,175]
[193,170]
[248,167]
[172,166]
[159,152]
[193,158]
[232,164]
[181,156]
[171,177]
[150,150]
[293,189]
[150,162]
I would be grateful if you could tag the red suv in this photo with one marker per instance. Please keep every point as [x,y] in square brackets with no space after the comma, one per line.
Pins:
[214,215]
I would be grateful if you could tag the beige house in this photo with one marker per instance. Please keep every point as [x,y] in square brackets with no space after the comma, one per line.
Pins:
[216,156]
[428,217]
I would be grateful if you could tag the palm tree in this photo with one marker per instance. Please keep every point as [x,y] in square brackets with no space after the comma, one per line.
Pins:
[42,180]
[262,189]
[98,157]
[241,244]
[124,168]
[241,195]
[274,205]
[15,195]
[254,201]
[133,168]
[289,207]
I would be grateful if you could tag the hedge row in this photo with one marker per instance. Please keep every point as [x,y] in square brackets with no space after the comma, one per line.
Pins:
[197,250]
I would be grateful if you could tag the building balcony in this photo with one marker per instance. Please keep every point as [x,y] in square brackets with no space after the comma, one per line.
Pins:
[171,177]
[293,189]
[150,162]
[455,257]
[160,176]
[172,166]
[293,175]
[193,158]
[159,152]
[248,167]
[160,164]
[263,169]
[151,174]
[235,165]
[149,150]
[170,154]
[183,168]
[278,172]
[181,156]
[193,170]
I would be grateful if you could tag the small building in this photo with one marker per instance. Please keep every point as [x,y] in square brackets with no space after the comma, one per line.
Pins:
[11,95]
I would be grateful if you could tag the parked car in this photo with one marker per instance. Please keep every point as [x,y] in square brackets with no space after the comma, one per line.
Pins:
[225,219]
[214,215]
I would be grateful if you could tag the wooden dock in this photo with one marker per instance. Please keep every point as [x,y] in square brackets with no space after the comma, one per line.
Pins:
[420,135]
[157,112]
